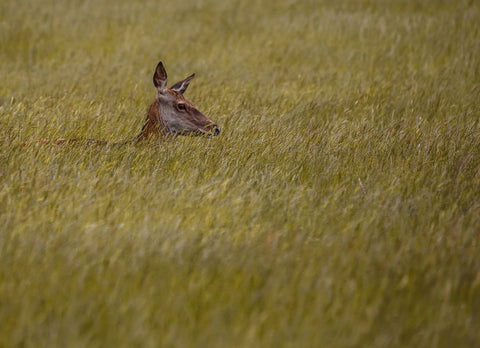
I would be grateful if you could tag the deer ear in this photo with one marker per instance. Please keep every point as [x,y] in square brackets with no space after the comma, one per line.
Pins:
[160,77]
[181,86]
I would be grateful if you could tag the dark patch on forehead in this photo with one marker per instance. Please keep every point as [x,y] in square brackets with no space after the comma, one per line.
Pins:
[175,93]
[179,97]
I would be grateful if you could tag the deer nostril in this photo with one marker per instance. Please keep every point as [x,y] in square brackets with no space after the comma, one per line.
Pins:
[216,130]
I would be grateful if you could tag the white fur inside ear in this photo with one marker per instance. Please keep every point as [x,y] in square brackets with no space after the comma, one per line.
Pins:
[183,86]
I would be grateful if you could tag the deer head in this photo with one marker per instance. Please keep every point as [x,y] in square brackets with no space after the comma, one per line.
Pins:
[172,114]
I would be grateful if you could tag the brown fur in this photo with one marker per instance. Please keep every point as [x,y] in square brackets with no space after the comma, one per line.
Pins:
[153,126]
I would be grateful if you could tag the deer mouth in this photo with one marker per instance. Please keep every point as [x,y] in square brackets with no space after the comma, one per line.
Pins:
[213,132]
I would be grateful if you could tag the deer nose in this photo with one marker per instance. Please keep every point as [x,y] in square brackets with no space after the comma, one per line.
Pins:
[216,130]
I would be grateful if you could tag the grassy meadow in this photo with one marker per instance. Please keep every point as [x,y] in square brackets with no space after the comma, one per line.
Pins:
[339,207]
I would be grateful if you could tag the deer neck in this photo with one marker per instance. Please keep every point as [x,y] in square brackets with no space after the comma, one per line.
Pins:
[154,126]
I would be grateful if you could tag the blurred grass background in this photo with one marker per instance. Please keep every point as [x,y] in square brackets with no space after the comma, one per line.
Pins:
[339,207]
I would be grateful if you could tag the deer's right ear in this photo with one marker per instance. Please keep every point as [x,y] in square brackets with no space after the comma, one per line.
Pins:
[160,77]
[181,86]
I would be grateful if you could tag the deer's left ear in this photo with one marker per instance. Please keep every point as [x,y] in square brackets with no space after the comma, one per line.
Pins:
[160,77]
[181,86]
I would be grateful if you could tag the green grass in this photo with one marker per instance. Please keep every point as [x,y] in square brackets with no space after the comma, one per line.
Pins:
[339,207]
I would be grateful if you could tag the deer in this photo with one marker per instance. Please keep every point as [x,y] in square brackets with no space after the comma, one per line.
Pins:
[169,115]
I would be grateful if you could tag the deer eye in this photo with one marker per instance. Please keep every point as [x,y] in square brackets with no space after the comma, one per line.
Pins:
[181,107]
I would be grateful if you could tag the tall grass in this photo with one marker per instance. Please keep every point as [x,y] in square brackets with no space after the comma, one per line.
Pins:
[340,205]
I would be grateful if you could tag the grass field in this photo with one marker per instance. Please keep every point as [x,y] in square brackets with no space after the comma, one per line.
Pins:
[339,207]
